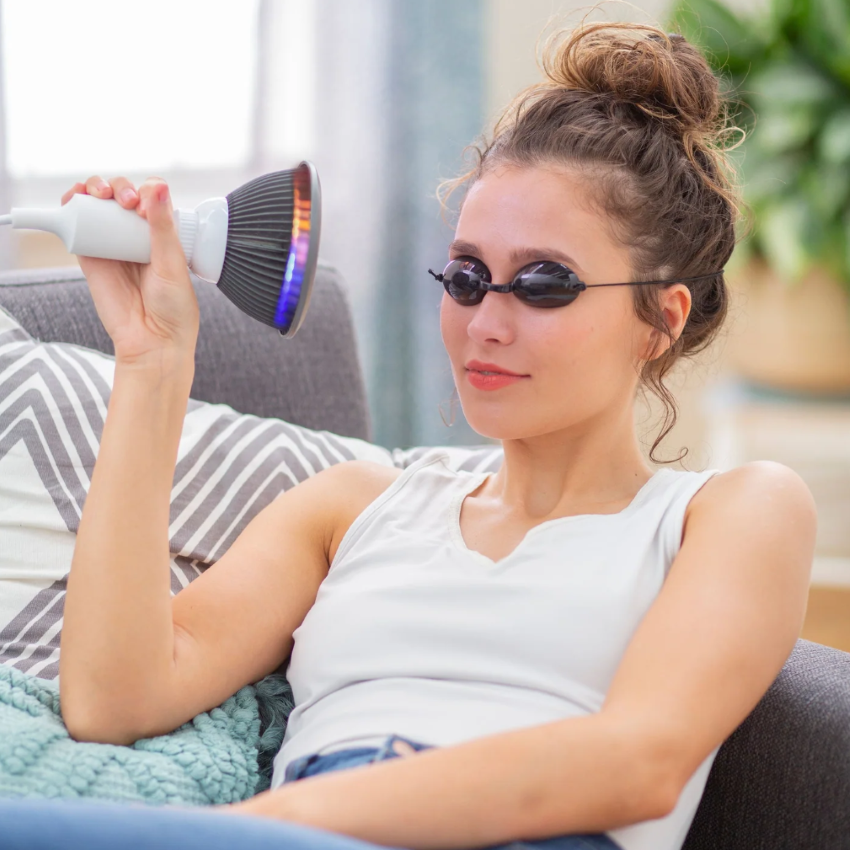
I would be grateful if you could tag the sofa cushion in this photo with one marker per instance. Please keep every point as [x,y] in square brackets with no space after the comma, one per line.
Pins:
[53,402]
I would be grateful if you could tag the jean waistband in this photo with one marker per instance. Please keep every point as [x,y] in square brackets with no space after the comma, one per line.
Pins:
[310,765]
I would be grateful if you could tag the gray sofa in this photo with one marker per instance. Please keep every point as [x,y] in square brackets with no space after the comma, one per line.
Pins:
[781,781]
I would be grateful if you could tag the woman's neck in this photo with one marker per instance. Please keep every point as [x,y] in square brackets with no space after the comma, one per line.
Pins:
[587,469]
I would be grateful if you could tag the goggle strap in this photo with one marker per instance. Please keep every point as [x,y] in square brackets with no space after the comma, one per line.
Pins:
[671,280]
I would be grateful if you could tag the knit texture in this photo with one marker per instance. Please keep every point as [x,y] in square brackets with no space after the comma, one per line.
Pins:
[220,756]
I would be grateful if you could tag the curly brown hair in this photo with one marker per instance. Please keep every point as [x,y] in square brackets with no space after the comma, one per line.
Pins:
[642,112]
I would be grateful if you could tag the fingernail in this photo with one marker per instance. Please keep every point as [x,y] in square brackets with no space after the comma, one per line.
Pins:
[102,184]
[127,195]
[162,193]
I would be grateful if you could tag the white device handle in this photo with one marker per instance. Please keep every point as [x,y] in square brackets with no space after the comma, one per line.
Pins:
[96,227]
[99,227]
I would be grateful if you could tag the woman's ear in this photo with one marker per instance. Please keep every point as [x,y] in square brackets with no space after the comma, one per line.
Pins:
[675,305]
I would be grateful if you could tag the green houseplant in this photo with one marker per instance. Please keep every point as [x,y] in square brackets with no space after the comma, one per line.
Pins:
[789,69]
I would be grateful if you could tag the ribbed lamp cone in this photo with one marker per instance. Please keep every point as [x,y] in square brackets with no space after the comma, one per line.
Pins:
[272,246]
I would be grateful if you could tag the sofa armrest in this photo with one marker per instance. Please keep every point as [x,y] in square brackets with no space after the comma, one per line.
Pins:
[782,780]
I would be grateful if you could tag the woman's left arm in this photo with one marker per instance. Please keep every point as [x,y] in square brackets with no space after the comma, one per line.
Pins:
[719,632]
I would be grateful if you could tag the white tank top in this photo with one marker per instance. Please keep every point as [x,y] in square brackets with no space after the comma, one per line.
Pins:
[413,633]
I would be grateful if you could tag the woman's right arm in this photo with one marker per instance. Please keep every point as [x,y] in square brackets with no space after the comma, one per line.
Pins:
[135,663]
[142,663]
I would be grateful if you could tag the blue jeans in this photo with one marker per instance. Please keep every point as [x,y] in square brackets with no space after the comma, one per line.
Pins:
[88,825]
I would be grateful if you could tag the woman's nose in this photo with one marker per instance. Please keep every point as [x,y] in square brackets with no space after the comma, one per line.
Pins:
[492,318]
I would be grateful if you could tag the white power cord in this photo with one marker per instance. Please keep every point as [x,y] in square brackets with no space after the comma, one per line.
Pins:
[5,219]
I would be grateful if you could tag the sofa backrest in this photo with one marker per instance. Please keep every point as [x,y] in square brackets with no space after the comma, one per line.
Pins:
[313,379]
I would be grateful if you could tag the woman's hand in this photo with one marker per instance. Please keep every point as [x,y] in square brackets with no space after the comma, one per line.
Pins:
[149,311]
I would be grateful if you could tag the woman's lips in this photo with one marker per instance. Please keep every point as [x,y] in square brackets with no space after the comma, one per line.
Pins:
[484,375]
[491,382]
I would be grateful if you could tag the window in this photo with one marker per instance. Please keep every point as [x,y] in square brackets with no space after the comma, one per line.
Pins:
[98,86]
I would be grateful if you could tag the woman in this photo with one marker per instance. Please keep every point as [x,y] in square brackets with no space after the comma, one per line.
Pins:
[551,654]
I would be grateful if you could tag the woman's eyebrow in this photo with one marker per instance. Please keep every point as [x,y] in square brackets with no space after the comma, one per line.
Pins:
[517,255]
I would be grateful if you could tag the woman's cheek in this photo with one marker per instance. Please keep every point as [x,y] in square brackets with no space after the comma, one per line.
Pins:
[452,329]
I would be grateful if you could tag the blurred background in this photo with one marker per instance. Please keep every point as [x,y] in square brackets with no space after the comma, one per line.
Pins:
[383,96]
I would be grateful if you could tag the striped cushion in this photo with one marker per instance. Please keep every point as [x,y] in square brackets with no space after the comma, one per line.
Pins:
[53,401]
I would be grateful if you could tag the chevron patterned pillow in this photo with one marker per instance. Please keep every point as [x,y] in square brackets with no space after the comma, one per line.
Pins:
[53,401]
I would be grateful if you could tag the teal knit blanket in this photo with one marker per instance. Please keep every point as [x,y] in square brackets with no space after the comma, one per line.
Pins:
[220,756]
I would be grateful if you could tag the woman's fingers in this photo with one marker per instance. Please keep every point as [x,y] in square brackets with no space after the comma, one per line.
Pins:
[147,193]
[124,192]
[98,187]
[76,189]
[119,188]
[167,257]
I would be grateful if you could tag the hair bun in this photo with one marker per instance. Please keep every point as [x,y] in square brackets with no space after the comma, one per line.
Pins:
[660,73]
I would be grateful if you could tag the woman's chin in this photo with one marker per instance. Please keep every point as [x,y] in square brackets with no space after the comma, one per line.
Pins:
[513,425]
[486,427]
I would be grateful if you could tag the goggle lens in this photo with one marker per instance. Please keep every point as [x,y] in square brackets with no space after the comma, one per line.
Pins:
[462,280]
[546,284]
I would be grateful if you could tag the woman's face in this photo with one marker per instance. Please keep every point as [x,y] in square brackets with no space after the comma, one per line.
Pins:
[579,362]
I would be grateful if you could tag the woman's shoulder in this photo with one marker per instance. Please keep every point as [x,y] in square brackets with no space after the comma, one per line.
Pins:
[752,490]
[756,476]
[361,482]
[357,482]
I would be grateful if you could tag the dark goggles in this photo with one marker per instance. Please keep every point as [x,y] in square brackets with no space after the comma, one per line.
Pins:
[539,284]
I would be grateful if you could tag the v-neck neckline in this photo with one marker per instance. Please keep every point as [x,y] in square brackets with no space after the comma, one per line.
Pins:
[477,479]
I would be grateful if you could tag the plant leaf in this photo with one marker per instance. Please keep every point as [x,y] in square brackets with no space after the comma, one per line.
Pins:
[767,178]
[793,82]
[824,29]
[730,42]
[781,228]
[786,15]
[778,131]
[827,187]
[834,140]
